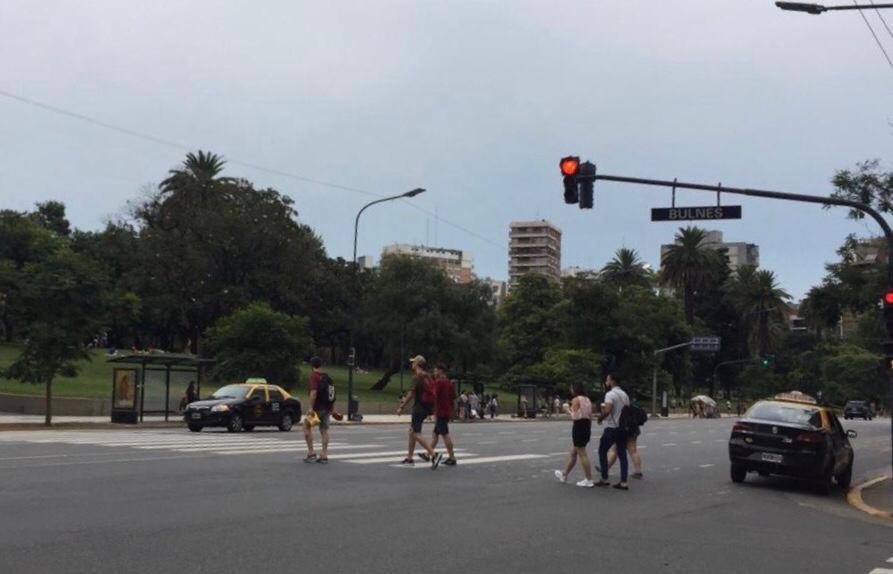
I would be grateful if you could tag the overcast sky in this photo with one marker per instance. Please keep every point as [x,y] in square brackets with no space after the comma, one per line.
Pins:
[475,101]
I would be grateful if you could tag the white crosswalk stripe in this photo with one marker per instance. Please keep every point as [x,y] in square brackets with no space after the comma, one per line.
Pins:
[228,444]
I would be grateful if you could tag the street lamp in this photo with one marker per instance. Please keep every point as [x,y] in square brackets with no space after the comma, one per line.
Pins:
[352,359]
[818,8]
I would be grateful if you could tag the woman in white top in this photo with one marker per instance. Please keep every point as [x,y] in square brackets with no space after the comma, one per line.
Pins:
[581,414]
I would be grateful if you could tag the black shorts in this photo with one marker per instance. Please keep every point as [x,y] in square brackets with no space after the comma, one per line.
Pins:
[418,417]
[582,432]
[442,426]
[634,434]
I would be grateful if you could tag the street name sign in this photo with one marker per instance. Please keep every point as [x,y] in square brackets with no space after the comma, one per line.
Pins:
[705,344]
[708,212]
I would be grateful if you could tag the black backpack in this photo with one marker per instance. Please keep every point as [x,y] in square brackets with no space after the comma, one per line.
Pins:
[631,418]
[325,395]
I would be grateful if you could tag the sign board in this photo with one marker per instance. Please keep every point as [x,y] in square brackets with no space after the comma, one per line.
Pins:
[696,213]
[705,344]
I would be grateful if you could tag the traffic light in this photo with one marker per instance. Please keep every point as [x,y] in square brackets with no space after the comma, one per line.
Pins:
[586,177]
[569,166]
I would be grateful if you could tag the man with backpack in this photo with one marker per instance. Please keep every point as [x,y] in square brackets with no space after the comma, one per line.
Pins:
[322,400]
[423,395]
[635,419]
[616,401]
[446,397]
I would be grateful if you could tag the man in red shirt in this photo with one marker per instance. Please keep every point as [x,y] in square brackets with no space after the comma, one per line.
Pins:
[443,409]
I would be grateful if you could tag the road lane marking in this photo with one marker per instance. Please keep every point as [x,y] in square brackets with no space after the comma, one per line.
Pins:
[882,571]
[704,465]
[265,449]
[487,459]
[669,444]
[697,442]
[391,459]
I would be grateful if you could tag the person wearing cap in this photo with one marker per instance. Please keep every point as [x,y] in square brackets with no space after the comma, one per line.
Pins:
[422,394]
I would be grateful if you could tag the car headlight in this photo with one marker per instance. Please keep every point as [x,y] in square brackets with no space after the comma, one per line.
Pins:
[219,408]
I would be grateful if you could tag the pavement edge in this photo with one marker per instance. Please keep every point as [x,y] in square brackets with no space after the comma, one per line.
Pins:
[854,498]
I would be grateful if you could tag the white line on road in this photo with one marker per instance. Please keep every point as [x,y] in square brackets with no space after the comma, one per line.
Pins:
[421,464]
[263,449]
[697,442]
[881,571]
[487,459]
[705,465]
[669,444]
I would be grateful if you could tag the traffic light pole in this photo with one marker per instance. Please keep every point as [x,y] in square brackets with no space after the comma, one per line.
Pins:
[654,374]
[824,201]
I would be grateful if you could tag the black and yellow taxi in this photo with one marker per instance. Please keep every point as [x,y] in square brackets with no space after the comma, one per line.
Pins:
[792,435]
[244,406]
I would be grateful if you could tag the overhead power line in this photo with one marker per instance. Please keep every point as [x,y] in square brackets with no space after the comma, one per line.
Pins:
[876,39]
[250,165]
[881,16]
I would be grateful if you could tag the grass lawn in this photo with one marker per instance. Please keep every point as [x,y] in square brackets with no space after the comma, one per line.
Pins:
[94,380]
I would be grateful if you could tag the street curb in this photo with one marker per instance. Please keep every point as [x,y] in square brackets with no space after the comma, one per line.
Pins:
[854,498]
[86,426]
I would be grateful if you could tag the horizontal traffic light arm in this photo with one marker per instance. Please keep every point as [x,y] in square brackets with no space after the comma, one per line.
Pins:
[825,201]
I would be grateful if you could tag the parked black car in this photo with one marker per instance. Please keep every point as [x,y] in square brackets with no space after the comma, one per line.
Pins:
[792,436]
[858,410]
[244,406]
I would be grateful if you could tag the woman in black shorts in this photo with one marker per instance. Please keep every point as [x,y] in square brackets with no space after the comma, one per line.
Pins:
[581,414]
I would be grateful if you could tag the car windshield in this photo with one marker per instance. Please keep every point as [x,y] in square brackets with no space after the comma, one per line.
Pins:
[793,414]
[230,392]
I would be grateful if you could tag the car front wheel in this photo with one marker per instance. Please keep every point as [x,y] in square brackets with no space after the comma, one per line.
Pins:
[846,477]
[235,423]
[739,473]
[286,423]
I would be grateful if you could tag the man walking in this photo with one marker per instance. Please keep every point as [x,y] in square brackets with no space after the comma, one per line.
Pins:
[615,401]
[446,397]
[423,396]
[322,393]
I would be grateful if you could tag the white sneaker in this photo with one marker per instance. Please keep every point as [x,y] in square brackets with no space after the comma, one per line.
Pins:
[586,483]
[560,476]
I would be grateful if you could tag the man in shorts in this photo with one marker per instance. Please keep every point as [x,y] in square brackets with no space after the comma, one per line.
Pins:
[421,409]
[443,410]
[320,405]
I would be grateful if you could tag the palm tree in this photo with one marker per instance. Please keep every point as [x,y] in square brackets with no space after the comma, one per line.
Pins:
[627,270]
[760,302]
[197,175]
[689,265]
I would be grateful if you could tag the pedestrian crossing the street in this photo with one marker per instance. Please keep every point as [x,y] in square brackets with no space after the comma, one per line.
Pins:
[228,444]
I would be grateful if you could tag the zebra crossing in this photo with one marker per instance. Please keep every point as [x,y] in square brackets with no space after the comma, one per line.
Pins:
[244,444]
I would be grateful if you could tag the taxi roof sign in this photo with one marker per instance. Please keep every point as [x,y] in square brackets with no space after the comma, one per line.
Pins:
[795,397]
[256,381]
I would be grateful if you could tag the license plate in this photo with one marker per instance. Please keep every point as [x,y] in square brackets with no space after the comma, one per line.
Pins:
[769,457]
[196,415]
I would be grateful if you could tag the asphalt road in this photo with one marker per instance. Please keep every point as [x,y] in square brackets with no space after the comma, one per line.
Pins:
[174,501]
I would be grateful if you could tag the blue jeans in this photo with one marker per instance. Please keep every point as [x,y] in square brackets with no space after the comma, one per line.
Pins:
[611,437]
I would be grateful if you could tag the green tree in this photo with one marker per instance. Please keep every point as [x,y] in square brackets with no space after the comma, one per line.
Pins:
[258,341]
[51,216]
[568,366]
[866,184]
[760,302]
[529,320]
[852,373]
[64,303]
[690,265]
[627,270]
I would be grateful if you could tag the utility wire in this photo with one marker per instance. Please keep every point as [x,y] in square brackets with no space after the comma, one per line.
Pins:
[881,16]
[274,171]
[876,39]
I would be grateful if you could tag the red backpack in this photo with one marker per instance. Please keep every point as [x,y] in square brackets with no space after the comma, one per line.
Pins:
[429,393]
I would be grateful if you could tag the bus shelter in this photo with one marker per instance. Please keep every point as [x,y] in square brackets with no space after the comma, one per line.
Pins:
[132,382]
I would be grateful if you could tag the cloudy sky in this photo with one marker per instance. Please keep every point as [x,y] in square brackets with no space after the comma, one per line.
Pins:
[475,101]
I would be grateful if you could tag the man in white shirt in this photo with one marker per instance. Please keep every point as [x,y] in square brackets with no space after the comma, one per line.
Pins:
[615,400]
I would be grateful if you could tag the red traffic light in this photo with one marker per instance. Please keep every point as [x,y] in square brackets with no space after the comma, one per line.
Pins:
[569,165]
[888,297]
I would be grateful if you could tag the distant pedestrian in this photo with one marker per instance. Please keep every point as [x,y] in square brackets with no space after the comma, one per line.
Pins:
[463,405]
[321,389]
[424,396]
[445,398]
[556,405]
[474,404]
[523,413]
[615,400]
[494,406]
[581,432]
[190,396]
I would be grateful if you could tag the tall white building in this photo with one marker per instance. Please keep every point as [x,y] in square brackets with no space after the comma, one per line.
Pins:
[534,247]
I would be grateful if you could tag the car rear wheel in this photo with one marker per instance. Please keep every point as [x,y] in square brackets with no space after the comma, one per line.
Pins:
[195,428]
[739,473]
[286,423]
[846,477]
[248,428]
[235,423]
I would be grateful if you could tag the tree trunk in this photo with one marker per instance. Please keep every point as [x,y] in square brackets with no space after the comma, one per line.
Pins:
[48,419]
